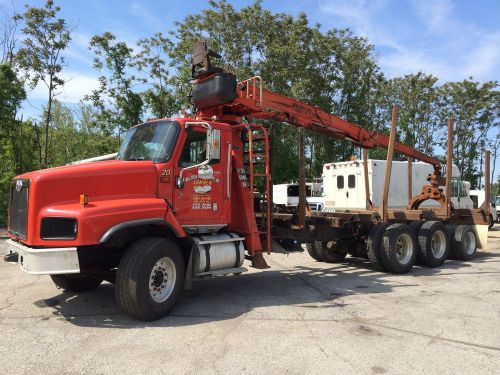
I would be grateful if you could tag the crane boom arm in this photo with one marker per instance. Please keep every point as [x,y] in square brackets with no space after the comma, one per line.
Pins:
[217,95]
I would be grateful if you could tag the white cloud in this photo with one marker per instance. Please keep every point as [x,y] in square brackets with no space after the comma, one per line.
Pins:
[431,38]
[435,14]
[482,61]
[77,86]
[139,10]
[360,14]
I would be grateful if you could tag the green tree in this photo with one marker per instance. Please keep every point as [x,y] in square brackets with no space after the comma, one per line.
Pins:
[11,156]
[333,70]
[476,109]
[152,60]
[45,38]
[8,38]
[416,95]
[119,105]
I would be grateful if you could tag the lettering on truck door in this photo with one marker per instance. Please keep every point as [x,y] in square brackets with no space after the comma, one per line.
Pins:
[200,200]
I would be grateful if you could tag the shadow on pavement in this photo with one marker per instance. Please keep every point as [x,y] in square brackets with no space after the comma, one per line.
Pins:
[229,297]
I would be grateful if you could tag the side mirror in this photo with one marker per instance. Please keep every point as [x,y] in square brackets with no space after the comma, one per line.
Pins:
[179,182]
[213,144]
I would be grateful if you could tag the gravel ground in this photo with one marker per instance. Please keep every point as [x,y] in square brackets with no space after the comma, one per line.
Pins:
[298,317]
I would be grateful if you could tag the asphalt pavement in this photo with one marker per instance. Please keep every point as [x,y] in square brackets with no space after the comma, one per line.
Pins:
[298,317]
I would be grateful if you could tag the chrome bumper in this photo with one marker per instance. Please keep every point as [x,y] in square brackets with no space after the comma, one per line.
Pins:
[45,261]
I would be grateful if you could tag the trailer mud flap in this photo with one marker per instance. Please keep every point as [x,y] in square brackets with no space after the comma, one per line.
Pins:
[482,236]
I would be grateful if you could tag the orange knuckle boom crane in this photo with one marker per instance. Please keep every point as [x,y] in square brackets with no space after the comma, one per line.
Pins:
[181,202]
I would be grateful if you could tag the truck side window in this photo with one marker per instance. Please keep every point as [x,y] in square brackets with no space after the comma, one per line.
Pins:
[351,181]
[454,187]
[195,147]
[340,182]
[463,191]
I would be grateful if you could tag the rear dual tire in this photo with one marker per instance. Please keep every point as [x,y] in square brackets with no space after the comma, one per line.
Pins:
[392,248]
[464,242]
[433,243]
[324,251]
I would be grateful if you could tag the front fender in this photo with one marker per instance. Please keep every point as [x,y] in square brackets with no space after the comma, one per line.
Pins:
[98,217]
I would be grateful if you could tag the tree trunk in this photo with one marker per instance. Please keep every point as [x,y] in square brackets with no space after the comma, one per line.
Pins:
[47,125]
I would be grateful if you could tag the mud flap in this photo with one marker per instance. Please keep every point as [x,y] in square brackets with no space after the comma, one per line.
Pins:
[482,236]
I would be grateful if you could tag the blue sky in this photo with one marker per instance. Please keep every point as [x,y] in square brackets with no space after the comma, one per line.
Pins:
[449,38]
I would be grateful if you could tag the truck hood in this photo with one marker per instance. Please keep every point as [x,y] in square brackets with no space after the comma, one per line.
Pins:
[101,180]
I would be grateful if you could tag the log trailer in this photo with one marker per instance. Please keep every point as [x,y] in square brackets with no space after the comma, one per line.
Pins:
[179,202]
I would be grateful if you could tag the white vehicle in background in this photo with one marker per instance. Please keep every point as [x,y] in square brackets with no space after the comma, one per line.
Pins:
[497,207]
[286,196]
[477,197]
[344,185]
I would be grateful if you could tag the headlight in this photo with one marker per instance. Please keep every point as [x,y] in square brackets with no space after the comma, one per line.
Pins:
[58,228]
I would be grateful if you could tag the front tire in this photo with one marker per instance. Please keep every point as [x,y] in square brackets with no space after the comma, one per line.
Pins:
[150,278]
[76,283]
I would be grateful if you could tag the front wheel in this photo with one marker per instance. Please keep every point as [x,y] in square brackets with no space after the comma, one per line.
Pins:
[491,222]
[150,278]
[76,283]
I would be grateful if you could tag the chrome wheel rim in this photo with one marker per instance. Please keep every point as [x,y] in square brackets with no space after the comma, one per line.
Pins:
[162,280]
[470,242]
[438,244]
[404,248]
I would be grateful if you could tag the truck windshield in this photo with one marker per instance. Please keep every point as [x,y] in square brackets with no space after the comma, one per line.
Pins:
[151,141]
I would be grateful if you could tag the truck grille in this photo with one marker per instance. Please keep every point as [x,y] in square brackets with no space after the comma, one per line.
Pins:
[18,208]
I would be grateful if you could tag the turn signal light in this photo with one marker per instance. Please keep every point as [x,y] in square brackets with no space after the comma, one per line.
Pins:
[84,199]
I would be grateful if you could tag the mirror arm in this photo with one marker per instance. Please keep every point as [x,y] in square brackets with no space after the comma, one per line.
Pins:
[191,167]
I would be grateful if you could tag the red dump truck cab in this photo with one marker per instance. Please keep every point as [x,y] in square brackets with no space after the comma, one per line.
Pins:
[161,176]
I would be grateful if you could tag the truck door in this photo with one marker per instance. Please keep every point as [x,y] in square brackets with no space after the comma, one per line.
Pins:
[459,194]
[199,198]
[353,191]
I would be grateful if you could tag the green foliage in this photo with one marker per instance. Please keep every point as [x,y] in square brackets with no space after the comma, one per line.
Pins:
[11,95]
[476,109]
[152,60]
[334,70]
[119,106]
[45,38]
[416,95]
